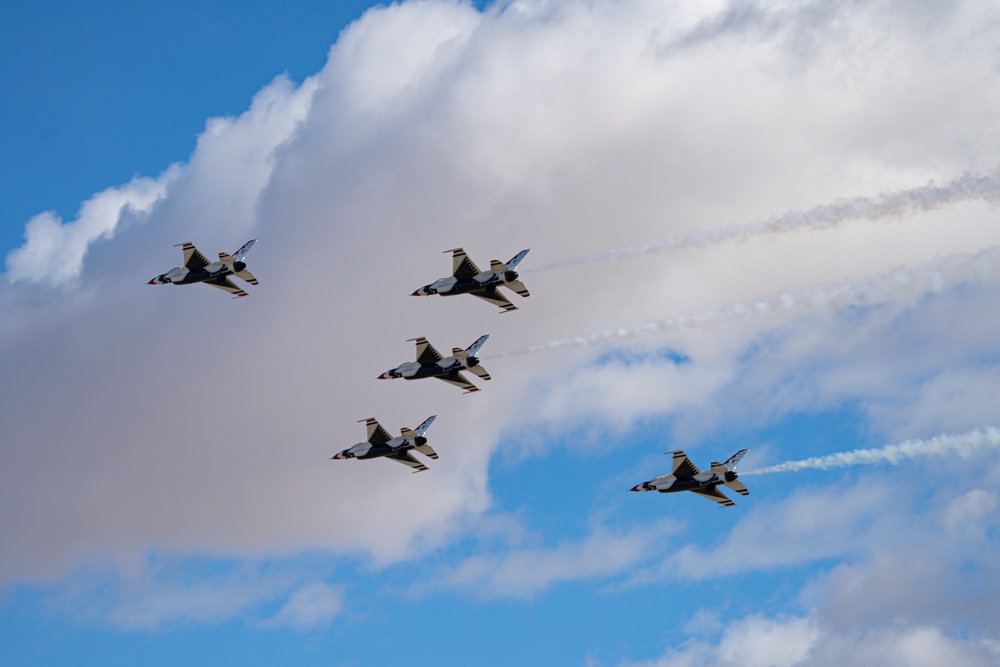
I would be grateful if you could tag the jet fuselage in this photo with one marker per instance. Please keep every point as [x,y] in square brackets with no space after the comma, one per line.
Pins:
[414,370]
[450,286]
[671,483]
[183,276]
[366,450]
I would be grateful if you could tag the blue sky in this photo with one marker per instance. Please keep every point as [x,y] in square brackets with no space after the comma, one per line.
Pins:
[98,92]
[762,225]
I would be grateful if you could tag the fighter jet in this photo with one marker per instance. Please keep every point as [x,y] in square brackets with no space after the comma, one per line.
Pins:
[197,269]
[430,364]
[687,477]
[466,278]
[380,443]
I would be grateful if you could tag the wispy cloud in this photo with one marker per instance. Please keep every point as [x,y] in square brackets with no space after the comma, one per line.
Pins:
[161,593]
[525,572]
[312,606]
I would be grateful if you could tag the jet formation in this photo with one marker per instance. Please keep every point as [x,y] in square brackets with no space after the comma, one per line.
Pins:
[466,278]
[380,444]
[197,269]
[687,477]
[431,364]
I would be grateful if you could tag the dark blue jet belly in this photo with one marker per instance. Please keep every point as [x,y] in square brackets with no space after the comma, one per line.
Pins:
[685,484]
[200,276]
[378,451]
[429,372]
[466,286]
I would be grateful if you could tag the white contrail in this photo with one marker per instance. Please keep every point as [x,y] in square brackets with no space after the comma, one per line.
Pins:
[964,445]
[897,285]
[885,206]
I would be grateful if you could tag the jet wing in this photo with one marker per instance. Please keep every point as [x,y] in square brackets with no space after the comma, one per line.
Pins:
[406,459]
[462,267]
[458,380]
[683,466]
[376,434]
[426,354]
[716,495]
[224,283]
[492,295]
[193,259]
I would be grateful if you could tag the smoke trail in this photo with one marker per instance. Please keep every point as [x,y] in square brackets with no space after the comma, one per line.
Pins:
[964,445]
[900,285]
[884,206]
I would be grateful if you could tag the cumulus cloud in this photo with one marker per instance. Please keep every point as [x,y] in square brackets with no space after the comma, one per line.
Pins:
[53,252]
[148,416]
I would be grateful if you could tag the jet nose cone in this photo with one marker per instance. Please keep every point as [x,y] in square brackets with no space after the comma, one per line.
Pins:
[417,293]
[336,456]
[637,487]
[384,376]
[152,282]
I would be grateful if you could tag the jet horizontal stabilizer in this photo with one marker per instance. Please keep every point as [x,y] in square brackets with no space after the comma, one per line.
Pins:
[426,450]
[480,371]
[518,287]
[247,276]
[738,487]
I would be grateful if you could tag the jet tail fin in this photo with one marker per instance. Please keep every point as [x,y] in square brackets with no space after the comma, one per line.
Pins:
[242,252]
[516,259]
[733,460]
[472,349]
[420,430]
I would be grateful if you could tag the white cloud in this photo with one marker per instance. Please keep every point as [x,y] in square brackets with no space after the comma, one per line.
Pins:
[759,642]
[53,252]
[799,641]
[524,572]
[312,606]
